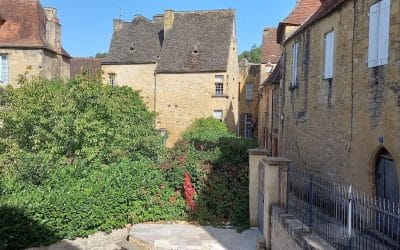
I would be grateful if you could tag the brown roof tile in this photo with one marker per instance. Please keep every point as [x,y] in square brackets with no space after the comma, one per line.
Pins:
[24,25]
[303,10]
[325,9]
[79,64]
[271,50]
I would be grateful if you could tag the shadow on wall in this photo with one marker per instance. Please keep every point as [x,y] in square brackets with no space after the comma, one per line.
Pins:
[18,230]
[230,119]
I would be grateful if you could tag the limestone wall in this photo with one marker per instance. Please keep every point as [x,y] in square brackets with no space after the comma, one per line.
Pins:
[336,127]
[36,62]
[138,77]
[183,98]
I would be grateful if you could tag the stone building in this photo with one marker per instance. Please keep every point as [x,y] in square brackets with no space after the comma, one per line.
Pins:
[184,63]
[340,94]
[248,98]
[271,53]
[91,66]
[30,42]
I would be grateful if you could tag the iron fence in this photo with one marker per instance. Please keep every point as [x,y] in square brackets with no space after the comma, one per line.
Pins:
[345,218]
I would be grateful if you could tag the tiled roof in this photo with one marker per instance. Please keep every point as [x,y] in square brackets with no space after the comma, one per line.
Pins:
[303,10]
[271,50]
[24,25]
[325,9]
[198,41]
[79,64]
[136,42]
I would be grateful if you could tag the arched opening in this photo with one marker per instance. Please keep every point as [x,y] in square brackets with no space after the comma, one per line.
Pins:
[386,177]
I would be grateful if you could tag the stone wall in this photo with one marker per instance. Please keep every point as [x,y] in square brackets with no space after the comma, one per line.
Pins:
[36,62]
[336,127]
[183,98]
[137,76]
[249,73]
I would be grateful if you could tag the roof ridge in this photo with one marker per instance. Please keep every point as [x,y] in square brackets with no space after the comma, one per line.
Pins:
[204,11]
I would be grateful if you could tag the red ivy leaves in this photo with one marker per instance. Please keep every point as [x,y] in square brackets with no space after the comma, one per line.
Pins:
[190,192]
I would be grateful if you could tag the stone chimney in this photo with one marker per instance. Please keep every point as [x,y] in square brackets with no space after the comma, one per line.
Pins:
[117,24]
[53,29]
[158,18]
[169,16]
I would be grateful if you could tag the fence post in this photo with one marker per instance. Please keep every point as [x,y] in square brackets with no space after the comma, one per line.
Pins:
[255,155]
[272,166]
[349,218]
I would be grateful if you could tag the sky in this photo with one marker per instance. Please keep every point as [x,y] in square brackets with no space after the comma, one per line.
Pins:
[87,25]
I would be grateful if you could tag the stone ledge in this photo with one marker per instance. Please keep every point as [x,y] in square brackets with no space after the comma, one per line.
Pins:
[275,161]
[259,151]
[300,232]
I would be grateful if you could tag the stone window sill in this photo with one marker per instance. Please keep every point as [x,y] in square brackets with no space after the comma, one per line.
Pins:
[220,96]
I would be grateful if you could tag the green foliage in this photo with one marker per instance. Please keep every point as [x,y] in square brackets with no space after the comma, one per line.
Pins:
[205,133]
[253,56]
[78,201]
[218,165]
[61,123]
[101,55]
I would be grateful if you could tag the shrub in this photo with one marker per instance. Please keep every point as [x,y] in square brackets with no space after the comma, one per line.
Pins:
[70,206]
[76,121]
[205,133]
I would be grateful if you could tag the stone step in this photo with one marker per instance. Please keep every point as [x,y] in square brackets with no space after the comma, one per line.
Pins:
[130,245]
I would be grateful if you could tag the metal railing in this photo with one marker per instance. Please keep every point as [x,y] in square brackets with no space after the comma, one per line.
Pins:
[343,217]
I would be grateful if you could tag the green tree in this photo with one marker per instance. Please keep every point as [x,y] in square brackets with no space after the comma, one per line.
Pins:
[51,123]
[254,55]
[101,55]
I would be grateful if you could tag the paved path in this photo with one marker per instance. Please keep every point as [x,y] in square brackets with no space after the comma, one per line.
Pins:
[190,237]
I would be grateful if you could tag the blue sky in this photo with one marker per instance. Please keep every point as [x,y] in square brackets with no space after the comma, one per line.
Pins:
[87,24]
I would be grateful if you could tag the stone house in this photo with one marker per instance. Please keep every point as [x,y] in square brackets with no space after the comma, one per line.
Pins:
[30,42]
[184,63]
[92,66]
[271,53]
[340,94]
[248,98]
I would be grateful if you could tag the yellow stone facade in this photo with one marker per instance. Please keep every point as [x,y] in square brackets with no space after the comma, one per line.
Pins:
[36,62]
[337,127]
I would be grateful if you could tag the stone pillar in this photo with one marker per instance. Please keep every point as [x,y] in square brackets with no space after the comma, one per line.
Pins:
[272,190]
[255,155]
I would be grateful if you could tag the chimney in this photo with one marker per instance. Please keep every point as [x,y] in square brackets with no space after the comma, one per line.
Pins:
[53,29]
[117,24]
[158,18]
[169,16]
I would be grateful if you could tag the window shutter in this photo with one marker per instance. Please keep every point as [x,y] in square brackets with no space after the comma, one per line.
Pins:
[4,68]
[249,91]
[329,54]
[295,50]
[383,37]
[373,35]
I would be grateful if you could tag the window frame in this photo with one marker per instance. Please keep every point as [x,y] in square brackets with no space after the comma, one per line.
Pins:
[248,126]
[295,62]
[219,85]
[111,79]
[4,69]
[249,92]
[329,54]
[221,112]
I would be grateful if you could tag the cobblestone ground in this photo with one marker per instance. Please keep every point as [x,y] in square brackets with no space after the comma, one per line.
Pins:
[98,241]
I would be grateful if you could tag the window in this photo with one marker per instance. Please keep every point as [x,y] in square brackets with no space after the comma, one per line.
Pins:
[248,126]
[219,85]
[379,21]
[329,54]
[218,114]
[249,91]
[111,79]
[295,54]
[4,69]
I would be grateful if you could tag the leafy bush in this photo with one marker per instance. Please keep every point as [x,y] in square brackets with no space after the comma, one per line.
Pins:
[205,133]
[71,206]
[76,121]
[217,162]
